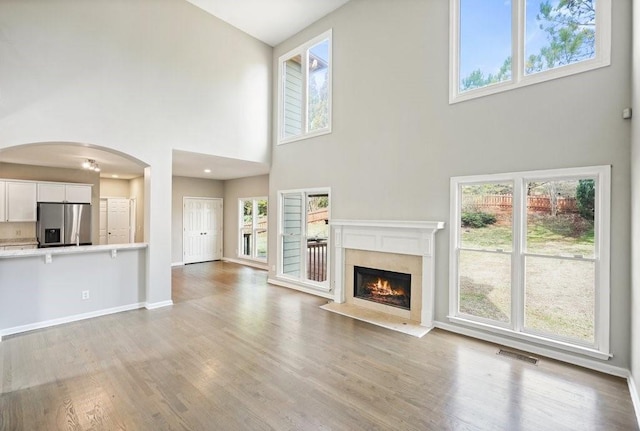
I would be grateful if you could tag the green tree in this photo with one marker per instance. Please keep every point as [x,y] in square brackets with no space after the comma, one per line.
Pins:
[570,28]
[477,79]
[318,103]
[586,198]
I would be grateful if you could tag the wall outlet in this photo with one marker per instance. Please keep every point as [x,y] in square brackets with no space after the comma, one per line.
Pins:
[85,294]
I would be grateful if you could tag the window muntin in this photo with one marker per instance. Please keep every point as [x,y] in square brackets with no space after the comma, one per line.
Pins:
[253,228]
[305,90]
[549,39]
[552,284]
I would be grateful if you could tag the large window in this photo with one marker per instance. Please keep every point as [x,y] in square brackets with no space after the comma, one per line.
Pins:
[498,45]
[530,256]
[253,228]
[305,90]
[304,236]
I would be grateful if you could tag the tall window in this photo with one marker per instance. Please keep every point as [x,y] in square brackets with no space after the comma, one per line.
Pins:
[304,236]
[530,256]
[253,228]
[498,45]
[305,90]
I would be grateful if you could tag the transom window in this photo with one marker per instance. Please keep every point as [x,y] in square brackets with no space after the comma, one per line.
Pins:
[497,45]
[304,90]
[253,228]
[530,256]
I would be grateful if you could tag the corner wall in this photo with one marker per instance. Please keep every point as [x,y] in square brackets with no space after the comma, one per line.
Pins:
[635,214]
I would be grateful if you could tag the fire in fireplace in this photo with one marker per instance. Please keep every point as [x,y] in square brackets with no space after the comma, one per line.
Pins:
[385,287]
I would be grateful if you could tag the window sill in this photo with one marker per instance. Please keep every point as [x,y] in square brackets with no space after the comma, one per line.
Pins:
[532,339]
[305,136]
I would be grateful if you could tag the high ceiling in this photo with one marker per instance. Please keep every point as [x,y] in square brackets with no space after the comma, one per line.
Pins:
[271,21]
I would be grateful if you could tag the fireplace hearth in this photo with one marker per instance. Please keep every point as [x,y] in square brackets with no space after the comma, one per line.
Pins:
[383,287]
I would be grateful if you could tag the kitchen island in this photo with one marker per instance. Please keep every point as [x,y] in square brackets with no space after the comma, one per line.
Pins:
[48,286]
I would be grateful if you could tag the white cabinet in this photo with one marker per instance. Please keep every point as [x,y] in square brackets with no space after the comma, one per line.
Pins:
[58,192]
[20,201]
[3,201]
[80,194]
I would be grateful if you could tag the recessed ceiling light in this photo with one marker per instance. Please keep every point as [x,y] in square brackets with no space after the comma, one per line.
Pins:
[114,176]
[207,171]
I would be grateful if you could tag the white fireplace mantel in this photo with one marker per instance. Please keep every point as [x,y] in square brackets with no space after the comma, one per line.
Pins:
[414,238]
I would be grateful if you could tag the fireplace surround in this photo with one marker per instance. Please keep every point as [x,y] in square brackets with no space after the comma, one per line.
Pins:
[396,246]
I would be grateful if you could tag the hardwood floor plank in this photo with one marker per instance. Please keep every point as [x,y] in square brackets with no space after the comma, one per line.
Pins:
[234,353]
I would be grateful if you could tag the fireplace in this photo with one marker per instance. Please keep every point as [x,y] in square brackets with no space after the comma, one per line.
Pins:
[393,247]
[384,287]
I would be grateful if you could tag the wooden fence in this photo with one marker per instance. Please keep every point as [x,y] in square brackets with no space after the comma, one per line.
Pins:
[505,203]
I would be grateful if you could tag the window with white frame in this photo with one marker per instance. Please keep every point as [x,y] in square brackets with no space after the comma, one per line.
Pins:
[530,256]
[304,90]
[253,228]
[304,236]
[497,45]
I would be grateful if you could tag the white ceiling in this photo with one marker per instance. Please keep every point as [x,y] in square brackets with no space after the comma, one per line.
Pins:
[271,21]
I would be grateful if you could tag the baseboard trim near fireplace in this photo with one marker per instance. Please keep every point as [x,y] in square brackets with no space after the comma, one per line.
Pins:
[378,318]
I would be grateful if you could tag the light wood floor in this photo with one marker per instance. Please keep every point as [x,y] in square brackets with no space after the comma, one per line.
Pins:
[234,353]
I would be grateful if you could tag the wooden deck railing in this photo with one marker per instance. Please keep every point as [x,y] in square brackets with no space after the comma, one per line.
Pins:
[317,260]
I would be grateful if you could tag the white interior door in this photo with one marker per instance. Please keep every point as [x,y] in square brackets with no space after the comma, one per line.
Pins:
[102,236]
[117,221]
[202,230]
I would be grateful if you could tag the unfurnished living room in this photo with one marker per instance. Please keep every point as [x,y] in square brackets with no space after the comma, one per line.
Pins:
[319,215]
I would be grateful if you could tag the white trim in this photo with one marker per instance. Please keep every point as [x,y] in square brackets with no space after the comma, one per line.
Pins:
[518,78]
[635,397]
[154,305]
[602,174]
[247,262]
[581,361]
[301,288]
[177,264]
[301,50]
[69,319]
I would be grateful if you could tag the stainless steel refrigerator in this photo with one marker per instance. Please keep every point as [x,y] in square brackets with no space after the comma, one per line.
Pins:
[63,224]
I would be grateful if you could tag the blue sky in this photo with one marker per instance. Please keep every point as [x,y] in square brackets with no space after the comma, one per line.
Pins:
[485,33]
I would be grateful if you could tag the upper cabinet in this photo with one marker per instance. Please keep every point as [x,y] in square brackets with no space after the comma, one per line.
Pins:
[20,201]
[57,192]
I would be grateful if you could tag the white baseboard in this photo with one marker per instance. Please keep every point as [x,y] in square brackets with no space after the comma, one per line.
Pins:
[250,263]
[154,305]
[68,319]
[549,353]
[635,397]
[320,293]
[177,264]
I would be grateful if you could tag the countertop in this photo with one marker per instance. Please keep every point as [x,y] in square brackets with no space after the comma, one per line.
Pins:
[18,241]
[4,254]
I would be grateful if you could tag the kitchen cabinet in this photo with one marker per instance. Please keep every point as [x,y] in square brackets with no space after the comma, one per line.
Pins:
[3,203]
[58,192]
[20,201]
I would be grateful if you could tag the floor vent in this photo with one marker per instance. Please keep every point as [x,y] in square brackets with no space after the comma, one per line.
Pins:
[519,356]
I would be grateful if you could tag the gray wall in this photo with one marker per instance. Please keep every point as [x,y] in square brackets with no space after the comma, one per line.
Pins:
[193,188]
[250,187]
[635,202]
[394,118]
